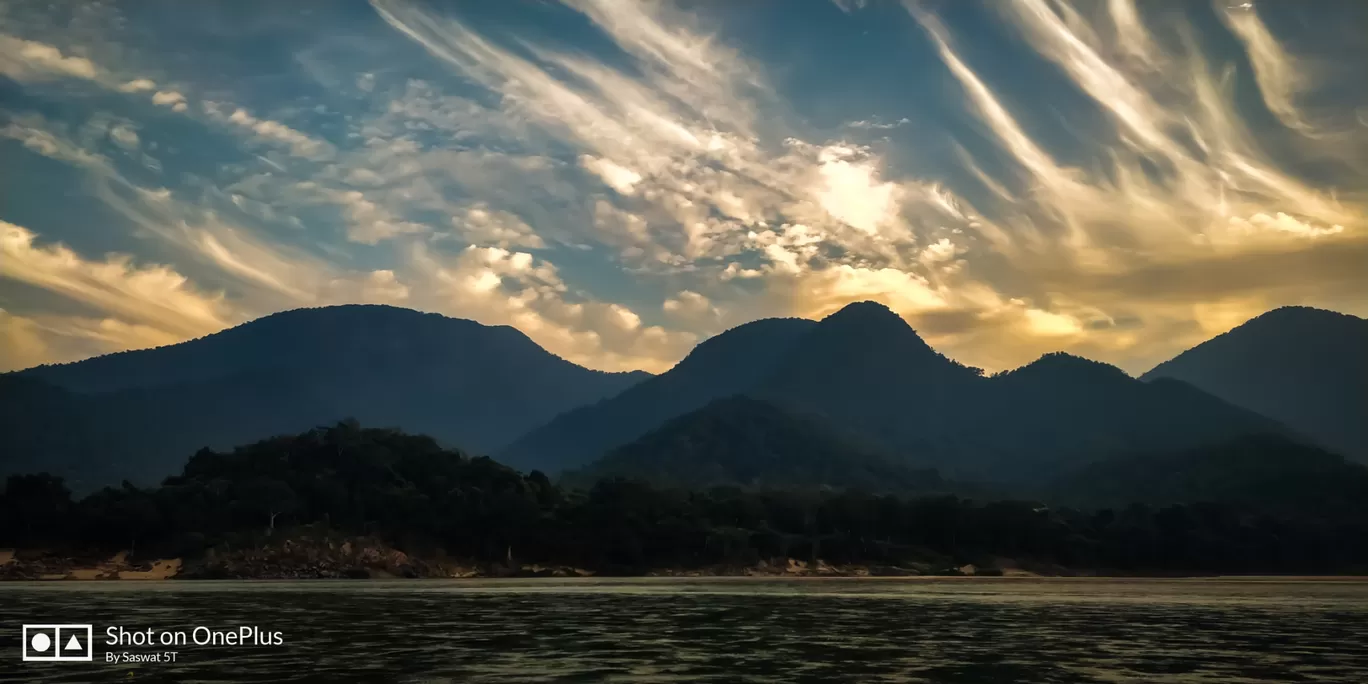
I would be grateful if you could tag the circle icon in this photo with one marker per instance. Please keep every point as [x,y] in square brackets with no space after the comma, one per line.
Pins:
[40,642]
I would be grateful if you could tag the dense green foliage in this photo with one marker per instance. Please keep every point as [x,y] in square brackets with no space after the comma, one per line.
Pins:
[1305,367]
[744,442]
[135,415]
[423,498]
[1267,473]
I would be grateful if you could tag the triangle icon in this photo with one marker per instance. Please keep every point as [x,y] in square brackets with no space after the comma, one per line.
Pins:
[73,645]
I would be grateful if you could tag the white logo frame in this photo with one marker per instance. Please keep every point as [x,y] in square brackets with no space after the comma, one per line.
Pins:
[60,631]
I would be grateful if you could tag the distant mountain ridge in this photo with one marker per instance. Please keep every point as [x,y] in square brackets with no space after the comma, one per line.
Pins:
[461,382]
[1257,472]
[743,442]
[724,365]
[862,371]
[866,371]
[1307,368]
[364,333]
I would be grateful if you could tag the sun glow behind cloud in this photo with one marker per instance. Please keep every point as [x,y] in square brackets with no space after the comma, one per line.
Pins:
[622,193]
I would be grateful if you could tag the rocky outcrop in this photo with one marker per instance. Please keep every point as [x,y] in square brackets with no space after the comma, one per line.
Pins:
[317,558]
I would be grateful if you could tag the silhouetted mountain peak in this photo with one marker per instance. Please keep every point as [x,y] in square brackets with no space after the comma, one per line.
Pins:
[462,382]
[1301,366]
[1285,314]
[869,326]
[1065,366]
[741,345]
[365,325]
[1286,327]
[729,363]
[866,309]
[866,313]
[337,338]
[346,311]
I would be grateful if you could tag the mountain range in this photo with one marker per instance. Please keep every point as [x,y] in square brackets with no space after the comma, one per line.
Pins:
[860,385]
[1307,368]
[140,414]
[866,370]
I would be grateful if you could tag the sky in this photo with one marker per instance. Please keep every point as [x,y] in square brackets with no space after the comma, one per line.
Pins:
[621,179]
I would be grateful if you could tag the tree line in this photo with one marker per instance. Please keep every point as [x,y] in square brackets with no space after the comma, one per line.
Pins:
[425,499]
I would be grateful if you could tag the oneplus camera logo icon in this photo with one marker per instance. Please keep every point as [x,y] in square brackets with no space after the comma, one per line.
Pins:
[58,643]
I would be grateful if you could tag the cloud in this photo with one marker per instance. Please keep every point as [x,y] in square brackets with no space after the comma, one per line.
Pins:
[478,224]
[877,125]
[138,85]
[614,175]
[23,343]
[124,136]
[678,145]
[1279,76]
[170,98]
[693,309]
[252,266]
[155,297]
[27,60]
[40,136]
[1181,167]
[42,338]
[369,223]
[378,287]
[820,293]
[268,131]
[852,192]
[1132,36]
[1283,223]
[695,190]
[849,6]
[499,286]
[1137,199]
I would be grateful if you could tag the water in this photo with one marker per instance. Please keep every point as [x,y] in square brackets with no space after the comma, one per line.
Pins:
[659,630]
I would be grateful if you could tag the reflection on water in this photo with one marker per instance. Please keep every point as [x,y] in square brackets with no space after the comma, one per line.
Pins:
[819,630]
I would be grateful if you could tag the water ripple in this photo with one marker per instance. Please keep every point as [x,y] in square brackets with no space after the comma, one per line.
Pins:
[1013,630]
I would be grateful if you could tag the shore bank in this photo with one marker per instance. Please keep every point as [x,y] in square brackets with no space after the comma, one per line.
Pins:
[364,558]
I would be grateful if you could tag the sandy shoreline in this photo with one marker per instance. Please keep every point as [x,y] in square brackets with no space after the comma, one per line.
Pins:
[355,560]
[116,567]
[364,564]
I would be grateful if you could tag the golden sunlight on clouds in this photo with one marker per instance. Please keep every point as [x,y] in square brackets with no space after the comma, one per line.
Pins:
[1279,77]
[501,287]
[1189,189]
[134,306]
[853,193]
[22,344]
[154,295]
[28,60]
[1183,184]
[676,162]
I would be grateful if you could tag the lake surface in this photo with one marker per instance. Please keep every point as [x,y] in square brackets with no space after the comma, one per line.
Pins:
[715,629]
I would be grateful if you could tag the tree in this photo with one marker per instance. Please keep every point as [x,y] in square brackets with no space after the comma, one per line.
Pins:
[265,499]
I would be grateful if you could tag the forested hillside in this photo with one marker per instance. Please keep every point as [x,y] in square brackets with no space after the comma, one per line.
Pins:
[867,371]
[1307,368]
[136,415]
[431,501]
[744,442]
